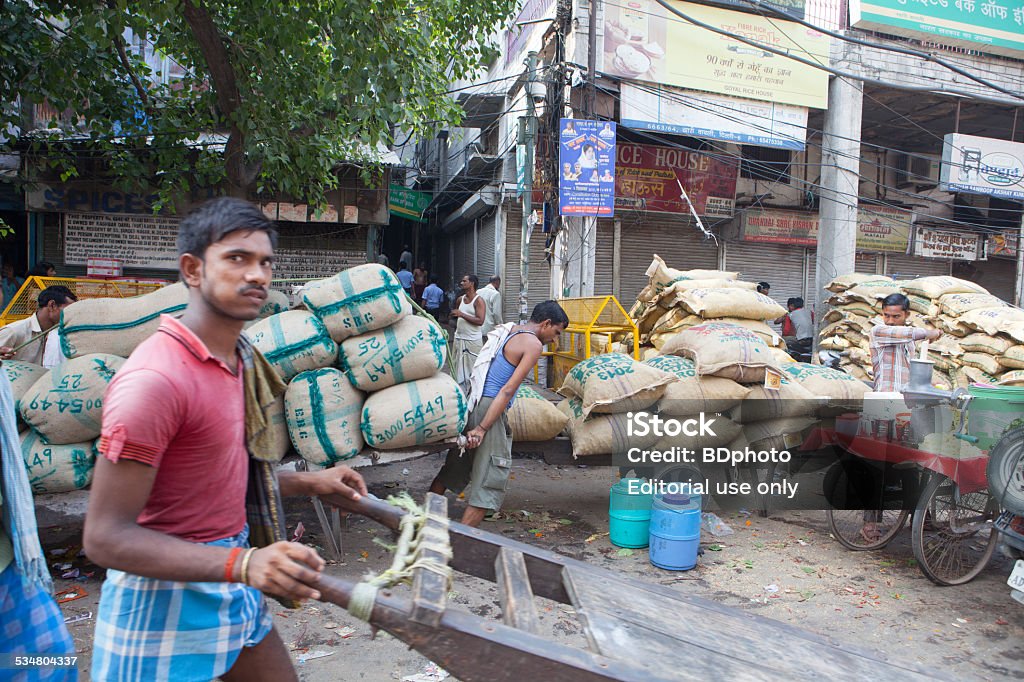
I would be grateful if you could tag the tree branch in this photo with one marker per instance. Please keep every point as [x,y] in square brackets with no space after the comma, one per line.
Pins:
[140,88]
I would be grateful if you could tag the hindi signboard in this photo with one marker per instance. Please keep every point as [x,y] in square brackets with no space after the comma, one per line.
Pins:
[879,228]
[982,165]
[652,178]
[587,174]
[948,244]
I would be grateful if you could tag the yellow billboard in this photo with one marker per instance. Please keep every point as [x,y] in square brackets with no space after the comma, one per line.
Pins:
[644,41]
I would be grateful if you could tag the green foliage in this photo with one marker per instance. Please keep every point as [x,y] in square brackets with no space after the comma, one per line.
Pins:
[292,88]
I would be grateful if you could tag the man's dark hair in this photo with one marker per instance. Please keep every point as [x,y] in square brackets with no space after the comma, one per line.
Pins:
[475,280]
[763,285]
[896,300]
[797,302]
[40,269]
[495,279]
[402,265]
[549,310]
[433,279]
[217,218]
[57,293]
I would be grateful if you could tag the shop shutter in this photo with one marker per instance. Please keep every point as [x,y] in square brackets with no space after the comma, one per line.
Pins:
[604,262]
[540,269]
[899,266]
[998,275]
[678,241]
[463,240]
[780,265]
[485,250]
[867,263]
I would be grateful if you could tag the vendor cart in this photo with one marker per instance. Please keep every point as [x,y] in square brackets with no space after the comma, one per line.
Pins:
[635,630]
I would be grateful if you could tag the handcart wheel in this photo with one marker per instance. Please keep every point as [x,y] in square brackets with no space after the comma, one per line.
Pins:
[953,534]
[1005,471]
[848,525]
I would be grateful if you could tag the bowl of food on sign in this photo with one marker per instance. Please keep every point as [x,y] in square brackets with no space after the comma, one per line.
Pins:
[629,61]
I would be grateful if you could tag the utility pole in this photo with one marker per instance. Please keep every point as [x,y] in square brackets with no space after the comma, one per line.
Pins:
[527,136]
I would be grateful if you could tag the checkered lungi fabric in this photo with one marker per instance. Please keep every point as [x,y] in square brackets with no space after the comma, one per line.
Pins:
[31,623]
[151,629]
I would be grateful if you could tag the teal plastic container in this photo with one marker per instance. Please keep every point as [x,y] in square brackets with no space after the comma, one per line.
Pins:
[992,412]
[629,516]
[675,531]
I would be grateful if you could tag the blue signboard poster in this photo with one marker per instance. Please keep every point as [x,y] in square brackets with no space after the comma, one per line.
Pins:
[586,161]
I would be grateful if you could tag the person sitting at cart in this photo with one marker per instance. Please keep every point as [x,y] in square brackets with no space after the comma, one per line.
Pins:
[893,344]
[509,354]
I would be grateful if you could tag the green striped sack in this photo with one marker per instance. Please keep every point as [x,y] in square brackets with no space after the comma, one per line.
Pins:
[615,382]
[117,325]
[357,300]
[277,302]
[323,412]
[417,412]
[22,375]
[57,468]
[66,404]
[412,348]
[293,341]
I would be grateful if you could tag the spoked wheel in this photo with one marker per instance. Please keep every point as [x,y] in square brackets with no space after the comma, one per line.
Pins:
[953,533]
[860,529]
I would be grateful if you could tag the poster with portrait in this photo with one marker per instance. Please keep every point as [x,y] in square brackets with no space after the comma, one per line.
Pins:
[586,162]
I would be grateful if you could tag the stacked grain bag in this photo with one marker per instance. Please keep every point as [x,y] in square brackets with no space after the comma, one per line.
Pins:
[532,417]
[983,336]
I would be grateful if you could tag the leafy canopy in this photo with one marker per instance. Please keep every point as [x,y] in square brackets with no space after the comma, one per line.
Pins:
[290,88]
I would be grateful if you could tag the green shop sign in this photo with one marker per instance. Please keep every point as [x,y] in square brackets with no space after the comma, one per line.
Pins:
[408,203]
[997,25]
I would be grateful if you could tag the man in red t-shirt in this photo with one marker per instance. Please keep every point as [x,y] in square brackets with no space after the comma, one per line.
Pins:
[183,596]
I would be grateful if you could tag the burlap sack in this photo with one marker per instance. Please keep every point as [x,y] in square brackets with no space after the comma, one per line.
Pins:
[293,341]
[780,434]
[725,430]
[277,302]
[956,305]
[357,300]
[950,325]
[1013,358]
[924,306]
[282,442]
[117,325]
[22,375]
[767,334]
[844,282]
[935,287]
[675,320]
[66,404]
[976,375]
[790,400]
[693,393]
[871,293]
[324,416]
[834,343]
[646,353]
[412,348]
[859,308]
[710,303]
[648,317]
[724,350]
[1014,329]
[983,361]
[670,294]
[532,417]
[818,380]
[614,382]
[858,372]
[1013,378]
[417,412]
[983,343]
[57,468]
[945,363]
[600,434]
[661,276]
[782,357]
[992,320]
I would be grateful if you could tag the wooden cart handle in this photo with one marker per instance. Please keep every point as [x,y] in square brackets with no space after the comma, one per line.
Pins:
[378,510]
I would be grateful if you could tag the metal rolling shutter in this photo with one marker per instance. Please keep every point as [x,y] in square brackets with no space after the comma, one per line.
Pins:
[677,240]
[864,262]
[998,275]
[463,240]
[780,265]
[867,263]
[540,270]
[485,250]
[900,266]
[604,267]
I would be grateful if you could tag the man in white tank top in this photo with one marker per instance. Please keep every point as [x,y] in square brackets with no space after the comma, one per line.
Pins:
[469,313]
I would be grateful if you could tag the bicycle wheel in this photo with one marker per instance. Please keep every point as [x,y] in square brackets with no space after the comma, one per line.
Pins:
[953,534]
[847,525]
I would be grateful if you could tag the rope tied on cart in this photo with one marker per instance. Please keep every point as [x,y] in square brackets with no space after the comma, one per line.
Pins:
[407,558]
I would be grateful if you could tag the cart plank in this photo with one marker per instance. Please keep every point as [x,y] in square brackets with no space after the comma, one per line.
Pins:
[430,588]
[518,609]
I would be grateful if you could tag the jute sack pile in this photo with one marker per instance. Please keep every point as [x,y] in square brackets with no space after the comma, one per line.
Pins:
[117,325]
[615,382]
[724,350]
[57,468]
[693,393]
[936,287]
[1012,378]
[66,404]
[416,412]
[324,414]
[955,305]
[532,417]
[23,374]
[357,300]
[711,303]
[1012,358]
[277,302]
[412,348]
[844,282]
[600,434]
[763,404]
[293,341]
[279,437]
[838,387]
[660,276]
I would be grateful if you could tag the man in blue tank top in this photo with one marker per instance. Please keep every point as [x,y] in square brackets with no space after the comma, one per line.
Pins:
[510,353]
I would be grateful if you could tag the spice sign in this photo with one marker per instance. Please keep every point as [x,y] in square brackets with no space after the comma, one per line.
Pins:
[879,228]
[653,178]
[948,244]
[982,165]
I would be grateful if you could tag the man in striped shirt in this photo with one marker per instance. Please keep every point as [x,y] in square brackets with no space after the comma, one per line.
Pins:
[893,344]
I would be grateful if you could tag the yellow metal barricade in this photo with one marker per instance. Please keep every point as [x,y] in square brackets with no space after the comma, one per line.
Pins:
[24,302]
[596,324]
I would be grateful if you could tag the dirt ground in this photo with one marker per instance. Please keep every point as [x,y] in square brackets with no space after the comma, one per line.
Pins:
[786,567]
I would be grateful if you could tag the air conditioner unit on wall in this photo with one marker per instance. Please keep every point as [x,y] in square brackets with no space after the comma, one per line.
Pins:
[915,170]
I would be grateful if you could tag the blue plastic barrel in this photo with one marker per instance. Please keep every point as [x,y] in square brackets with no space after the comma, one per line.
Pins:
[629,516]
[675,531]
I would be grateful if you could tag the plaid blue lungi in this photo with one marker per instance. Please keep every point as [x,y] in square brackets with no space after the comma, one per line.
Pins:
[32,623]
[151,629]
